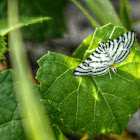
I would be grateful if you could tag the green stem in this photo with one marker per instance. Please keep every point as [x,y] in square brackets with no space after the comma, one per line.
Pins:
[35,120]
[92,21]
[23,23]
[103,11]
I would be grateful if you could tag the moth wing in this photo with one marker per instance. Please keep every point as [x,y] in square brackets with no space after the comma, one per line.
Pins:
[122,56]
[119,48]
[129,39]
[100,71]
[96,64]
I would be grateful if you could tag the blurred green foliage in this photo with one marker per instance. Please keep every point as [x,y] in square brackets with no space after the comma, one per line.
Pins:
[35,8]
[124,14]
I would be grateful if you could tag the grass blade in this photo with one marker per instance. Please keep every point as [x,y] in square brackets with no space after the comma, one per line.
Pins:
[92,21]
[104,11]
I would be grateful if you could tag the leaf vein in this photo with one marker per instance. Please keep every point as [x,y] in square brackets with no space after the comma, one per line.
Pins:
[107,104]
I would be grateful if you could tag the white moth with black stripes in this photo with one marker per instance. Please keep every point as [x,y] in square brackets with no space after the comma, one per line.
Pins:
[104,57]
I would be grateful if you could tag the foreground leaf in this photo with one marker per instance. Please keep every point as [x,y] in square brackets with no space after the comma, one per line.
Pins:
[10,122]
[91,105]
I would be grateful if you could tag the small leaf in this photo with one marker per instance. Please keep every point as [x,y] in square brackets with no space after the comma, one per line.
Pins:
[3,48]
[59,135]
[24,22]
[92,105]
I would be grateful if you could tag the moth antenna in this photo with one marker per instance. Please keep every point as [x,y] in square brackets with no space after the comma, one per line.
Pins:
[112,33]
[91,50]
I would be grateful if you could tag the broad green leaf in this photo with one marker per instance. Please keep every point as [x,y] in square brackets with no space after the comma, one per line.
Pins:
[88,104]
[40,8]
[103,11]
[4,29]
[125,14]
[10,122]
[3,48]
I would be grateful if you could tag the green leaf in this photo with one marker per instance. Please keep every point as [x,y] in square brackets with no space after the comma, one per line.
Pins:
[103,11]
[91,42]
[40,8]
[59,135]
[81,50]
[125,14]
[23,22]
[88,104]
[10,122]
[3,49]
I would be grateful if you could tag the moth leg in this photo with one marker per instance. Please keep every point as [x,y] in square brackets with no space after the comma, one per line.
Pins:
[110,75]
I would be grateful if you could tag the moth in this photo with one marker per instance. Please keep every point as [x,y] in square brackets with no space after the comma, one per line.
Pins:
[106,55]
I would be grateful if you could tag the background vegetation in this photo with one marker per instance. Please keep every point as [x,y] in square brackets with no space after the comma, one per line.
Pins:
[83,107]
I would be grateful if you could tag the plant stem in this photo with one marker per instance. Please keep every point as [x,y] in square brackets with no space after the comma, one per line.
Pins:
[92,21]
[103,11]
[20,24]
[35,120]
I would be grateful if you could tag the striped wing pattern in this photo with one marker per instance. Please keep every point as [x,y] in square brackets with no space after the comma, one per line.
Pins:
[115,51]
[96,64]
[119,48]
